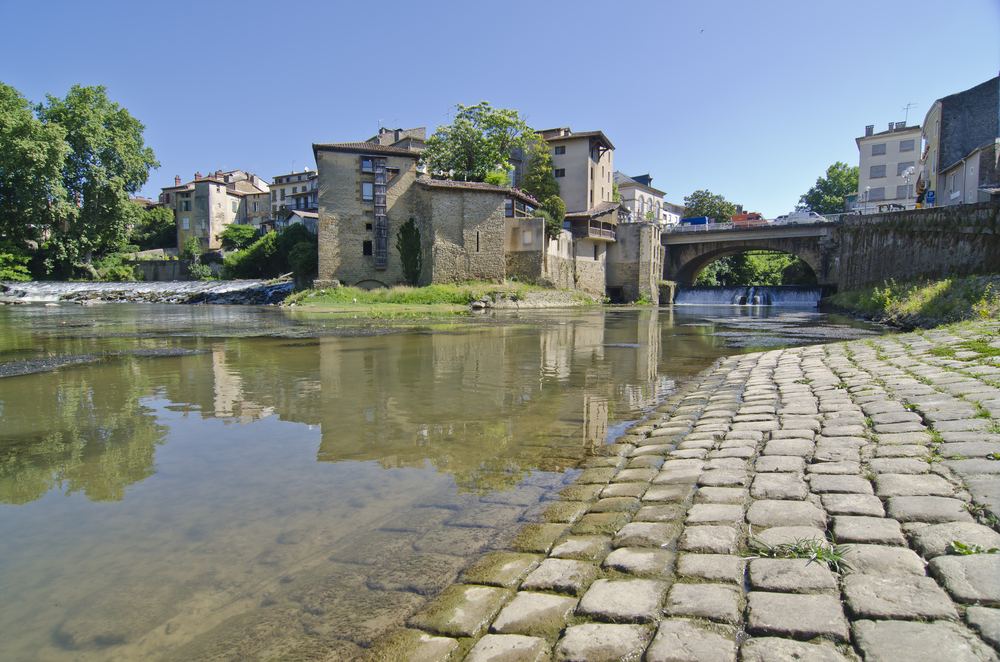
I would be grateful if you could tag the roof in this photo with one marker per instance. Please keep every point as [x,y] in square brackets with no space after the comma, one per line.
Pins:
[304,214]
[599,210]
[624,180]
[479,186]
[905,129]
[573,136]
[364,148]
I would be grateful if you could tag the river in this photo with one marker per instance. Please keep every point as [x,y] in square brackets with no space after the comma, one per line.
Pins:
[173,478]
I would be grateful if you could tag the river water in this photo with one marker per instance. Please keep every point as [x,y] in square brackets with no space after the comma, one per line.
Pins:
[199,482]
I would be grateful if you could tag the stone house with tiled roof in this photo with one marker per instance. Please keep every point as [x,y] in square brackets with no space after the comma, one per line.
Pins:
[205,206]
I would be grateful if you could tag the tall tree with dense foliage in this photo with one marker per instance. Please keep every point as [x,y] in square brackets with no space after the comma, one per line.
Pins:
[237,237]
[827,196]
[556,210]
[410,251]
[706,203]
[156,229]
[477,142]
[32,155]
[108,161]
[540,179]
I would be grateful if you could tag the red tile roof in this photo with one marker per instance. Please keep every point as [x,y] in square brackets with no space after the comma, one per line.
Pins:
[362,148]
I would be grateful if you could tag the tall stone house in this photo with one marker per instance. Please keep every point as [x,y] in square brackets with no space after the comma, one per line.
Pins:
[962,146]
[206,205]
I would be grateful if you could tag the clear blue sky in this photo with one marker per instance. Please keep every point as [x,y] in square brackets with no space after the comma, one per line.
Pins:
[751,100]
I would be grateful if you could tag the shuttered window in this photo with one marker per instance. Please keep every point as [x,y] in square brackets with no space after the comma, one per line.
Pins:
[878,149]
[901,167]
[906,145]
[877,193]
[876,172]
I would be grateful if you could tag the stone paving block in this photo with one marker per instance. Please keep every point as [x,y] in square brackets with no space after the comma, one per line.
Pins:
[796,616]
[965,425]
[461,610]
[730,495]
[582,548]
[677,476]
[635,475]
[972,467]
[647,534]
[596,476]
[844,430]
[899,465]
[668,493]
[605,462]
[712,567]
[899,597]
[602,642]
[780,464]
[742,452]
[929,509]
[893,641]
[839,484]
[785,513]
[538,537]
[716,602]
[882,560]
[657,512]
[779,486]
[623,600]
[640,560]
[565,512]
[534,613]
[730,463]
[658,449]
[935,540]
[413,646]
[708,540]
[834,468]
[901,416]
[797,432]
[714,514]
[616,504]
[986,621]
[561,576]
[875,530]
[509,648]
[786,535]
[580,492]
[829,453]
[794,447]
[905,438]
[791,576]
[503,569]
[685,640]
[971,578]
[969,449]
[853,504]
[624,490]
[775,649]
[891,485]
[723,478]
[902,450]
[645,462]
[597,523]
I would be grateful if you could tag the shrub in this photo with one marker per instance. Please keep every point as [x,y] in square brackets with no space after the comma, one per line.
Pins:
[200,271]
[238,237]
[304,259]
[13,262]
[556,209]
[410,251]
[192,248]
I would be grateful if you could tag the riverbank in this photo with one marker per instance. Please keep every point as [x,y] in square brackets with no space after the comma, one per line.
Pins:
[822,503]
[923,304]
[477,296]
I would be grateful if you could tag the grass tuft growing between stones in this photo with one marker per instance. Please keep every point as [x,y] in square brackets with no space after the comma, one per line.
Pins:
[814,549]
[958,548]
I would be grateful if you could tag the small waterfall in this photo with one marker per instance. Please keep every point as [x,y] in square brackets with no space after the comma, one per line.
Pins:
[197,291]
[757,295]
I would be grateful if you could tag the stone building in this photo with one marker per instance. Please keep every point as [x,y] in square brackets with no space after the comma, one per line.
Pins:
[205,206]
[635,262]
[367,191]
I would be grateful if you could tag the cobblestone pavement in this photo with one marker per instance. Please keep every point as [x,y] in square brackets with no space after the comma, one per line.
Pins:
[884,454]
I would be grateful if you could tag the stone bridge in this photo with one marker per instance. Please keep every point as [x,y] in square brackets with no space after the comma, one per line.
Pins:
[858,251]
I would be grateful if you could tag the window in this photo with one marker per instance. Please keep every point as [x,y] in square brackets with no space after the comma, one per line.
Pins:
[367,165]
[274,196]
[904,191]
[167,199]
[367,191]
[256,206]
[954,181]
[368,227]
[592,198]
[876,171]
[366,247]
[236,206]
[282,194]
[526,237]
[202,225]
[295,189]
[901,167]
[878,149]
[184,205]
[202,203]
[508,208]
[906,145]
[937,125]
[560,172]
[595,251]
[877,193]
[934,161]
[185,223]
[561,149]
[591,173]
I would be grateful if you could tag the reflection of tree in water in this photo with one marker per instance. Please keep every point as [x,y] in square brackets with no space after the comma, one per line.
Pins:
[96,437]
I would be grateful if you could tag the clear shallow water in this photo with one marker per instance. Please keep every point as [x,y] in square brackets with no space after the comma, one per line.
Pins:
[295,482]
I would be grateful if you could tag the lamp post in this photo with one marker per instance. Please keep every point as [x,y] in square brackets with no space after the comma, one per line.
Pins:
[906,182]
[867,189]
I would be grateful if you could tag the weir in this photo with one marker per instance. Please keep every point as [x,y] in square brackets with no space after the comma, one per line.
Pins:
[750,295]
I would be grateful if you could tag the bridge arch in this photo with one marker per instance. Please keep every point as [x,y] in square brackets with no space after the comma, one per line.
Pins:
[688,273]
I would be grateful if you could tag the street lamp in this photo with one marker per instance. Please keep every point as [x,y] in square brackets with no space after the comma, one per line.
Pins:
[867,189]
[906,181]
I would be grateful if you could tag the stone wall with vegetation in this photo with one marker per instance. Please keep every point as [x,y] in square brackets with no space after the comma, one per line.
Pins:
[931,243]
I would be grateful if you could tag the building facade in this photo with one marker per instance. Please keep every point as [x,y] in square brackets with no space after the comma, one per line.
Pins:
[583,164]
[295,191]
[888,167]
[644,202]
[205,206]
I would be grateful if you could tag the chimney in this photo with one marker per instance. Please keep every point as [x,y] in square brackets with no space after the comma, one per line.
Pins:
[890,127]
[869,130]
[218,173]
[900,126]
[197,175]
[177,180]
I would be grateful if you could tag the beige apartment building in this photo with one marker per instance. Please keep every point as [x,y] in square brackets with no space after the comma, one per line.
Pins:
[888,166]
[295,191]
[583,164]
[205,206]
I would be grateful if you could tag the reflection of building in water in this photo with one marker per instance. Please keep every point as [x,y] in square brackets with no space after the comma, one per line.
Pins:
[229,401]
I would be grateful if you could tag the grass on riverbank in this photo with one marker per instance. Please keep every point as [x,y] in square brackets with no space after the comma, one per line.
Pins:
[433,295]
[925,303]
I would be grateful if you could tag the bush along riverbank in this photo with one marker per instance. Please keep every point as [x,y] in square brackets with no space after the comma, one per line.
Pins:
[923,304]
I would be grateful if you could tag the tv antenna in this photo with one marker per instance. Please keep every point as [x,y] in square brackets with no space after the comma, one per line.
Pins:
[906,110]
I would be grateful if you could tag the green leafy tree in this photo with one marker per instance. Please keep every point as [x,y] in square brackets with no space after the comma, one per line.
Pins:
[270,256]
[706,203]
[476,143]
[13,262]
[237,237]
[304,259]
[108,161]
[827,196]
[192,248]
[410,251]
[616,195]
[556,210]
[156,229]
[540,179]
[32,155]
